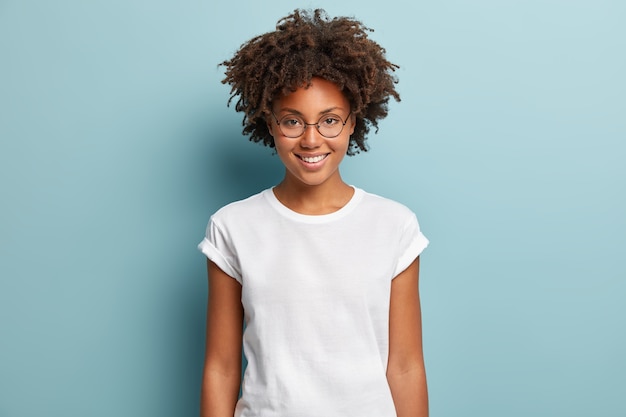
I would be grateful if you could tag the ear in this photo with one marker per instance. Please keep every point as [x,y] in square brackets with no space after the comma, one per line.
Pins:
[270,125]
[352,123]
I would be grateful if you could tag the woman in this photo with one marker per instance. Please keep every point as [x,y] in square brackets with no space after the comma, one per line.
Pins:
[323,274]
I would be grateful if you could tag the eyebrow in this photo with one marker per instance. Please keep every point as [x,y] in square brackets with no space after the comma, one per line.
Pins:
[294,111]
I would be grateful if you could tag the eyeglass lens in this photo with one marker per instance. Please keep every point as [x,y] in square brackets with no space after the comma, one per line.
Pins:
[329,125]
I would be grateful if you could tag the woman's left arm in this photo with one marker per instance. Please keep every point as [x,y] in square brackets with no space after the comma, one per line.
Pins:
[406,373]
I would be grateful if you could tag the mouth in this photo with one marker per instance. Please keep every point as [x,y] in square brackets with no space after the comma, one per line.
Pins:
[312,159]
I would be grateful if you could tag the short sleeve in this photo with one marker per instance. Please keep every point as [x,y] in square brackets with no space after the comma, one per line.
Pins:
[217,246]
[412,243]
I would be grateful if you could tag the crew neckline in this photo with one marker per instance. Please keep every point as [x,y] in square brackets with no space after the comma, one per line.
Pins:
[314,218]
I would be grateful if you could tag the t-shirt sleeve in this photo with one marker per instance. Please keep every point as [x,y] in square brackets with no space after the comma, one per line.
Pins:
[217,246]
[412,243]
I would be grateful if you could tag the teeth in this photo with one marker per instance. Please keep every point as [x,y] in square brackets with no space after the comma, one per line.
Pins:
[313,159]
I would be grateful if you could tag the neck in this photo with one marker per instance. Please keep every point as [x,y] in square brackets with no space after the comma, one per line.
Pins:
[319,199]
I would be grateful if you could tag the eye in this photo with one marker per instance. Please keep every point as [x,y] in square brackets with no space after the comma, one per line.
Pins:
[329,120]
[290,122]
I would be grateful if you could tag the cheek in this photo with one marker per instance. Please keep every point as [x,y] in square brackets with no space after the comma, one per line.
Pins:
[342,147]
[282,148]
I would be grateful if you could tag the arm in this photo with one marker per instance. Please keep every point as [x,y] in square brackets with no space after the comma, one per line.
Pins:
[406,373]
[222,360]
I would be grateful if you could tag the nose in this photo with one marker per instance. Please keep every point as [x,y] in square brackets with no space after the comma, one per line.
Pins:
[311,138]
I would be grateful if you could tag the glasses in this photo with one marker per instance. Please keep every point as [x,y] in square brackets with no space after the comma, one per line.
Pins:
[329,125]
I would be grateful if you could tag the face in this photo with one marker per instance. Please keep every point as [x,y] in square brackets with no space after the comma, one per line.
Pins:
[312,159]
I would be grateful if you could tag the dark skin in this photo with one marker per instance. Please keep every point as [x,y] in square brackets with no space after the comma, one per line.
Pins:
[222,360]
[305,45]
[222,368]
[313,185]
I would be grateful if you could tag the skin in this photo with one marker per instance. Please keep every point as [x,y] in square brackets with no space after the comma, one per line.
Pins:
[222,360]
[314,189]
[406,373]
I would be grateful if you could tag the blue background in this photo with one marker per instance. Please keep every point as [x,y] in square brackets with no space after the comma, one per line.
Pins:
[116,145]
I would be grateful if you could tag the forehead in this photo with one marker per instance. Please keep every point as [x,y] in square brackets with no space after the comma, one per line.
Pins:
[321,96]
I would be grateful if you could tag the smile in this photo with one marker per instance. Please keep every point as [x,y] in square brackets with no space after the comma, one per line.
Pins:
[312,159]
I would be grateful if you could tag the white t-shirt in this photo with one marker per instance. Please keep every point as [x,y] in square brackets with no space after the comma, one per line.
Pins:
[315,290]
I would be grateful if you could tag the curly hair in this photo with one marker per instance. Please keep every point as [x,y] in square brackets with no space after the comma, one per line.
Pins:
[304,45]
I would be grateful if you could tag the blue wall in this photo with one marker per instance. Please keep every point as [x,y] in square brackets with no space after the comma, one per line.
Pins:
[116,145]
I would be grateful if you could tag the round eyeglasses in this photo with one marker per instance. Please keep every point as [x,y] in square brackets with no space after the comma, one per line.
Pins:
[329,125]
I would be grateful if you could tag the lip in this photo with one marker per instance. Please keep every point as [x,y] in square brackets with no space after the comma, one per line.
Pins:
[312,165]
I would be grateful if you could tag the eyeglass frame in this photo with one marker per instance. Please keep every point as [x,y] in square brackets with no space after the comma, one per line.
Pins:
[317,125]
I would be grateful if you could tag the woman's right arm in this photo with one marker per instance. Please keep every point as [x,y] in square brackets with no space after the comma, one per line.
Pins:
[222,360]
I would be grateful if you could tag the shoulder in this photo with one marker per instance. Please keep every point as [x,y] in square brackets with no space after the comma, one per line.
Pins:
[386,206]
[250,207]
